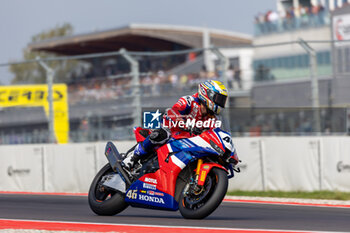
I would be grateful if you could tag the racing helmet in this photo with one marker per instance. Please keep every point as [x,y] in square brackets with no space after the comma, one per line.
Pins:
[213,94]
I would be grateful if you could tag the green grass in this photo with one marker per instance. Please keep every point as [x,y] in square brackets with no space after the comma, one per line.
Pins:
[307,195]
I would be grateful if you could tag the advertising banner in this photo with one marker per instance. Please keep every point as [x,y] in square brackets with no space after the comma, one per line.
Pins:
[21,168]
[341,29]
[36,95]
[268,163]
[336,163]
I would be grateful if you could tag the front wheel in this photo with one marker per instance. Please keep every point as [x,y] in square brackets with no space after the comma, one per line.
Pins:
[104,201]
[199,202]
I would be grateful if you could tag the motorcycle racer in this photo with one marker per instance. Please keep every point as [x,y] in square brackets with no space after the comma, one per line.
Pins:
[202,106]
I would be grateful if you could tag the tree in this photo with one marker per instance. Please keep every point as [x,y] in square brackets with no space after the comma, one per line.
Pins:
[33,72]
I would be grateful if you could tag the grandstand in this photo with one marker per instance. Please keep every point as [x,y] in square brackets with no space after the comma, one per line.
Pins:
[286,68]
[100,93]
[282,72]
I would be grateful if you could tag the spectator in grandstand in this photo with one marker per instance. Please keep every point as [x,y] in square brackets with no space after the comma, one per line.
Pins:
[230,75]
[119,90]
[260,23]
[262,73]
[156,85]
[237,77]
[183,81]
[203,73]
[273,19]
[84,129]
[282,22]
[293,18]
[321,14]
[313,15]
[147,85]
[304,14]
[174,79]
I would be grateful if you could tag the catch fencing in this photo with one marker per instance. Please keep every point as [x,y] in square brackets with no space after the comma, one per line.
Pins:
[268,163]
[269,85]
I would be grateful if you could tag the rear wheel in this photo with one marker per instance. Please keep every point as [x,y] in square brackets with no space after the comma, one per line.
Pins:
[104,201]
[199,202]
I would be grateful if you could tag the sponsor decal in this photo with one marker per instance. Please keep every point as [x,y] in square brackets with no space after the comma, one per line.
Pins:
[341,167]
[206,167]
[202,90]
[151,199]
[150,193]
[189,100]
[12,171]
[182,102]
[108,150]
[194,111]
[186,144]
[149,186]
[143,191]
[150,180]
[159,194]
[203,174]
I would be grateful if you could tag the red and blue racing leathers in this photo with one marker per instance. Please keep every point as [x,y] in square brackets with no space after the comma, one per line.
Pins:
[186,108]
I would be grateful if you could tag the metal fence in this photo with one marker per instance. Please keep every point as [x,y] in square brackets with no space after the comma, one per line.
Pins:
[106,100]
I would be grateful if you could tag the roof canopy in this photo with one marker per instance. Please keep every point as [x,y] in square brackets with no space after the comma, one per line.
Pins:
[140,37]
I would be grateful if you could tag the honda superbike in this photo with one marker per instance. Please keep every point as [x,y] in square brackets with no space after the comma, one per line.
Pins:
[186,174]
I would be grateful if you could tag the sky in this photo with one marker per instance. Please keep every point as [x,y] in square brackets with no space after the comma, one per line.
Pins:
[20,20]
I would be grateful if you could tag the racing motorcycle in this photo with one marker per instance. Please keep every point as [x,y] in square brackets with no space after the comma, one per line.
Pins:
[186,174]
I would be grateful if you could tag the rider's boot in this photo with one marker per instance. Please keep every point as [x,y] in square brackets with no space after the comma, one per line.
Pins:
[142,149]
[158,137]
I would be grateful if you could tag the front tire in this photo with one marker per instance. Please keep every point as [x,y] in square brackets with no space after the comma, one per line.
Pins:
[103,201]
[199,204]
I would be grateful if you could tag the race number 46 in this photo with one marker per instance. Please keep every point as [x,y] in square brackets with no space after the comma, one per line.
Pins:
[132,194]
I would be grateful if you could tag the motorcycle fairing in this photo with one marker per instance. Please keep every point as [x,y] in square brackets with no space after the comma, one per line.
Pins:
[141,133]
[144,194]
[205,169]
[163,181]
[172,158]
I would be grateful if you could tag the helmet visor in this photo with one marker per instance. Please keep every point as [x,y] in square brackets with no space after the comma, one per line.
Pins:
[220,99]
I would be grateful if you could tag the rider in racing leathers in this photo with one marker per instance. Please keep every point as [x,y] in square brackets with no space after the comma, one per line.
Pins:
[201,106]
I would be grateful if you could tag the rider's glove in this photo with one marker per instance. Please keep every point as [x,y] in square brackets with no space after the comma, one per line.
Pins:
[196,131]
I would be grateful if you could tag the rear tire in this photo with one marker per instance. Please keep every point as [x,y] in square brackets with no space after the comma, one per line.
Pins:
[204,204]
[105,202]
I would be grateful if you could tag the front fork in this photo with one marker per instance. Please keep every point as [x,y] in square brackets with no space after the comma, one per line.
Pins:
[201,175]
[199,165]
[196,189]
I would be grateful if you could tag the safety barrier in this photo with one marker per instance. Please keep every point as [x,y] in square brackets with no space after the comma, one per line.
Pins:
[268,163]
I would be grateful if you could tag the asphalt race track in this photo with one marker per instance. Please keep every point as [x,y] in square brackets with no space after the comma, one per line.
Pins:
[228,215]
